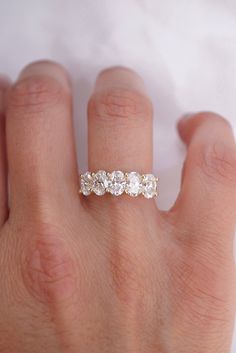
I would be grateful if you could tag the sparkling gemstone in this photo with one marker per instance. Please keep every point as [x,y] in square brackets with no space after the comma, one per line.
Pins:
[100,182]
[116,183]
[133,184]
[149,183]
[86,183]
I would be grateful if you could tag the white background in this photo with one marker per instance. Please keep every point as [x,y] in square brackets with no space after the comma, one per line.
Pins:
[185,50]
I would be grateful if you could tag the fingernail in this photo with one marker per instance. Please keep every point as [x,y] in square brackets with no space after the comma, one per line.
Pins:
[119,77]
[46,68]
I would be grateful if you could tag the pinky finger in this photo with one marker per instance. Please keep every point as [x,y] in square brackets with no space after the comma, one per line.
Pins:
[4,83]
[207,201]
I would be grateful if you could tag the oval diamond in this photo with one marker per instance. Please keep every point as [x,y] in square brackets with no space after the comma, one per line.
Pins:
[86,183]
[100,182]
[116,183]
[133,184]
[149,183]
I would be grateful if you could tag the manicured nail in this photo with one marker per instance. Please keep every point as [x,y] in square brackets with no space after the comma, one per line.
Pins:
[46,68]
[119,77]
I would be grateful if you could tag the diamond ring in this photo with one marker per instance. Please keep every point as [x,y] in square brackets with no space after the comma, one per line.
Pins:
[118,183]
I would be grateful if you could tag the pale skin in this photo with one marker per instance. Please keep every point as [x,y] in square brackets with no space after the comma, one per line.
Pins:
[110,274]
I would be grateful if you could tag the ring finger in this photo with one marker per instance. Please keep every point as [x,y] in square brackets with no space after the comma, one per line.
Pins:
[120,123]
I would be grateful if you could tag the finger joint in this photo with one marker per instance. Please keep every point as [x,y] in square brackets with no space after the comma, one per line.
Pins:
[218,162]
[48,268]
[35,94]
[120,105]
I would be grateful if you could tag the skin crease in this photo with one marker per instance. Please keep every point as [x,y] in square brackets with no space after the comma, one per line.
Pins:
[107,274]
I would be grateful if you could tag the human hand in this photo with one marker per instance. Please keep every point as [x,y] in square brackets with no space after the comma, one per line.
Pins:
[111,274]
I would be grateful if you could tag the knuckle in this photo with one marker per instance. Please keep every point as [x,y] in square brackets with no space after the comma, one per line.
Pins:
[35,94]
[128,275]
[121,104]
[48,267]
[199,287]
[218,162]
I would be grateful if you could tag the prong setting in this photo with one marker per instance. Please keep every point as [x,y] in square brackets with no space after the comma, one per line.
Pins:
[117,183]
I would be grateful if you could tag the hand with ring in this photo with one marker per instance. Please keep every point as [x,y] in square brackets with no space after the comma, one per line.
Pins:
[88,262]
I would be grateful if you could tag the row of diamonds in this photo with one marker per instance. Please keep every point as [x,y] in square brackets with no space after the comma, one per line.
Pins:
[117,183]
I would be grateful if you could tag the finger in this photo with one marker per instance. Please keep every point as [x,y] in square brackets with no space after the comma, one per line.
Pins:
[120,123]
[40,145]
[208,196]
[4,84]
